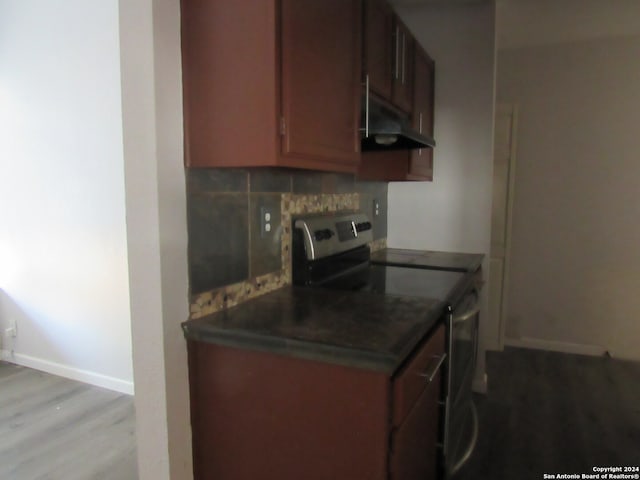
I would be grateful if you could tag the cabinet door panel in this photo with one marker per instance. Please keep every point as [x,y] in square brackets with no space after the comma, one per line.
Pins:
[414,448]
[410,383]
[403,68]
[321,80]
[385,165]
[229,54]
[378,53]
[259,415]
[421,161]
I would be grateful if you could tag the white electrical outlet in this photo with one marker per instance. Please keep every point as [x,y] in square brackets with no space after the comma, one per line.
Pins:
[376,207]
[265,221]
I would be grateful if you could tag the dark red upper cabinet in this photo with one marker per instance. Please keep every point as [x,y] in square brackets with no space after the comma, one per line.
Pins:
[320,45]
[272,83]
[378,47]
[401,74]
[388,55]
[421,160]
[403,45]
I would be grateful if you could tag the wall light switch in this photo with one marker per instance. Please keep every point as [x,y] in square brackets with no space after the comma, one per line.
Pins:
[376,207]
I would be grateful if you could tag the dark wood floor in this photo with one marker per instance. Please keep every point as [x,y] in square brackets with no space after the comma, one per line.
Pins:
[549,412]
[54,428]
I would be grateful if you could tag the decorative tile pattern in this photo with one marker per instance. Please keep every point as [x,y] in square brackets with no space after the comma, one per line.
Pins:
[274,180]
[231,295]
[291,204]
[217,180]
[304,204]
[218,239]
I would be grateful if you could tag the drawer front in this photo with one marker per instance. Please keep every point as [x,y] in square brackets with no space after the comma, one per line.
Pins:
[413,378]
[414,448]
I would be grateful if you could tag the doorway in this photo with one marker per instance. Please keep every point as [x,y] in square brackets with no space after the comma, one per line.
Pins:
[504,165]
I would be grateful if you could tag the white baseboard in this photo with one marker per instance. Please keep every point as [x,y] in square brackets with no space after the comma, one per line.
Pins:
[85,376]
[554,346]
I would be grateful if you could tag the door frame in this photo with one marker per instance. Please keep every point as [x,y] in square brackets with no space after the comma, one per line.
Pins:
[512,110]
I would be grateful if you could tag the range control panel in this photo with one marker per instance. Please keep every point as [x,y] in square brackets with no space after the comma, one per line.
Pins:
[330,234]
[324,234]
[348,230]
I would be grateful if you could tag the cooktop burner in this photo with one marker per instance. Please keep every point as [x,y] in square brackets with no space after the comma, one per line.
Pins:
[408,282]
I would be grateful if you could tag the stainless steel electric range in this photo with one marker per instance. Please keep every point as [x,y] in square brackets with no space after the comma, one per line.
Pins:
[463,422]
[332,251]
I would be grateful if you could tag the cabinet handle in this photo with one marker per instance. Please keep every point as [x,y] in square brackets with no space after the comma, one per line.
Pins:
[404,37]
[431,373]
[447,401]
[397,58]
[366,108]
[420,150]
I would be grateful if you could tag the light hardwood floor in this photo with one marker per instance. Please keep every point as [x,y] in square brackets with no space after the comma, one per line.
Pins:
[53,428]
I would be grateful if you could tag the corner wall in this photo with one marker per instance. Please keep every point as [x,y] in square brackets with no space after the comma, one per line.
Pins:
[575,266]
[453,213]
[63,251]
[156,234]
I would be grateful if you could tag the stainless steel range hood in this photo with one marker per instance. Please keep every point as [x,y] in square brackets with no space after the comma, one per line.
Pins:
[384,129]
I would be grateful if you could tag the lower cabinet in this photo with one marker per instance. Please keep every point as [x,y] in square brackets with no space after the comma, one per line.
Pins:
[262,415]
[414,438]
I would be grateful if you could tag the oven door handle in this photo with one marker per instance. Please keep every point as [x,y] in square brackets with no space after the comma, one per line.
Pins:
[472,312]
[459,462]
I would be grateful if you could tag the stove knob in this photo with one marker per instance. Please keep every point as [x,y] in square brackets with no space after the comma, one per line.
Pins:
[363,227]
[325,234]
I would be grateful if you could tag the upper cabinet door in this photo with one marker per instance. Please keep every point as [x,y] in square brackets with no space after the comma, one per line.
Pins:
[421,160]
[378,46]
[402,67]
[229,79]
[321,51]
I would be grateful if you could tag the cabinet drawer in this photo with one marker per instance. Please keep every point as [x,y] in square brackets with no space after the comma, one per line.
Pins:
[414,445]
[411,380]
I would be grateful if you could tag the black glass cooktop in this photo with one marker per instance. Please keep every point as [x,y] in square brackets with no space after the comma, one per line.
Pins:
[410,282]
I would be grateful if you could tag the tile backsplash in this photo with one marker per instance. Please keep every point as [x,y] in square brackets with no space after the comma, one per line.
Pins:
[231,256]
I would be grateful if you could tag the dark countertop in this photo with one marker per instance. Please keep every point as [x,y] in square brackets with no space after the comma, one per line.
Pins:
[459,262]
[360,329]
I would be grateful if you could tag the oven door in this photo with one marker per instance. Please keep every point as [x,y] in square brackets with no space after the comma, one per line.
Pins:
[461,427]
[464,343]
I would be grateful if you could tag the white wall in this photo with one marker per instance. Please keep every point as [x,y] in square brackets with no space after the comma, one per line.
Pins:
[575,263]
[63,252]
[453,213]
[157,233]
[529,23]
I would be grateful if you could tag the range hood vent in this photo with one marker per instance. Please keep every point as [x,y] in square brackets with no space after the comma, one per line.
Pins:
[388,130]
